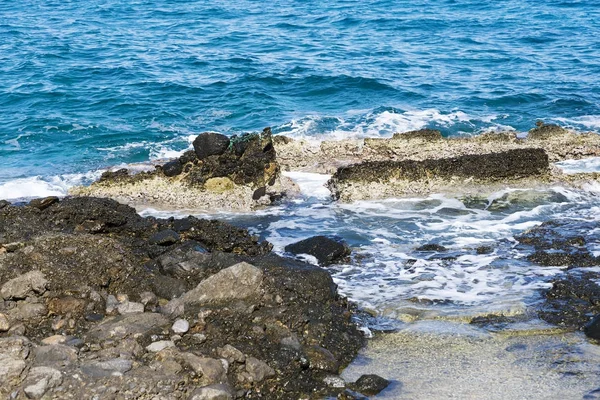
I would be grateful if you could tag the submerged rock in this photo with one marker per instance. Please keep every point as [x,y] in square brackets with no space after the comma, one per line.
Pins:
[325,249]
[370,385]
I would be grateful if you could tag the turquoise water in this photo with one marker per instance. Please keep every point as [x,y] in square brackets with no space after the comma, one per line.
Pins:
[88,85]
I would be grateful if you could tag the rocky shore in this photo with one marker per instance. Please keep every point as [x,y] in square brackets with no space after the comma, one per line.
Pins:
[99,302]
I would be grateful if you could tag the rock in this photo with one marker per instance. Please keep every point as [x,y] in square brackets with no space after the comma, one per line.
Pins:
[592,328]
[14,352]
[66,305]
[212,392]
[55,339]
[239,281]
[172,168]
[40,380]
[219,184]
[42,204]
[432,247]
[380,179]
[31,283]
[231,354]
[209,369]
[160,345]
[28,312]
[292,342]
[4,323]
[325,249]
[148,299]
[130,307]
[180,326]
[484,250]
[422,134]
[100,369]
[545,131]
[4,203]
[351,395]
[111,304]
[322,359]
[210,144]
[174,308]
[55,355]
[127,325]
[258,370]
[370,385]
[164,238]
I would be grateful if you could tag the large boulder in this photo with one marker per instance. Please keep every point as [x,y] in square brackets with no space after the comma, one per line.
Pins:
[210,144]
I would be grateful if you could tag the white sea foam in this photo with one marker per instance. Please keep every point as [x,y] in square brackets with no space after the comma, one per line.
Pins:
[591,164]
[37,186]
[587,121]
[312,185]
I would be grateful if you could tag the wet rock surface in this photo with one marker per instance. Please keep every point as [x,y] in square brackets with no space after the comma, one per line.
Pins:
[89,309]
[327,250]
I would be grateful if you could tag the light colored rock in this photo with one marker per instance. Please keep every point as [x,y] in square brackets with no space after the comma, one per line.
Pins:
[31,283]
[160,345]
[212,392]
[54,355]
[173,308]
[258,370]
[27,311]
[180,326]
[210,369]
[231,354]
[99,369]
[130,307]
[14,352]
[127,325]
[334,381]
[111,304]
[148,299]
[55,339]
[239,281]
[40,380]
[219,185]
[4,323]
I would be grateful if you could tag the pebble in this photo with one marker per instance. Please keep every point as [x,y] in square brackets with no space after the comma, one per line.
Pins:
[55,339]
[129,307]
[180,326]
[160,345]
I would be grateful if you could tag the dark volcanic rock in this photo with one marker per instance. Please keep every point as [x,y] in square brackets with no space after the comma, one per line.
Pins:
[172,168]
[325,249]
[432,247]
[592,328]
[67,283]
[42,204]
[515,163]
[573,299]
[370,385]
[210,144]
[164,238]
[4,203]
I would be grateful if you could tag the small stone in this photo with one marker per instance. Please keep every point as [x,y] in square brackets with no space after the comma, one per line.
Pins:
[370,385]
[66,305]
[55,339]
[31,283]
[212,392]
[325,249]
[199,337]
[258,370]
[164,238]
[4,323]
[321,358]
[27,312]
[291,342]
[231,354]
[172,168]
[130,307]
[209,369]
[160,345]
[122,298]
[99,369]
[111,304]
[180,326]
[55,355]
[592,328]
[148,299]
[40,380]
[173,308]
[432,247]
[350,395]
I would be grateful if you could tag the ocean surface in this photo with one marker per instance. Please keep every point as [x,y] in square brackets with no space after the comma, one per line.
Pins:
[87,86]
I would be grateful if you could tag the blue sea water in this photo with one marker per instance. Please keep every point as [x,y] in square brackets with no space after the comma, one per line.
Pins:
[88,85]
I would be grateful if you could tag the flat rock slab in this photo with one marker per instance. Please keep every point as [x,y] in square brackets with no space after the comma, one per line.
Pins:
[126,325]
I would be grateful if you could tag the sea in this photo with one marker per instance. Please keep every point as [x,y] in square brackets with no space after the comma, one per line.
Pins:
[102,84]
